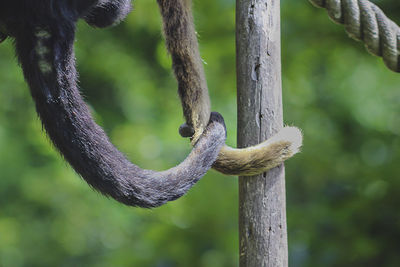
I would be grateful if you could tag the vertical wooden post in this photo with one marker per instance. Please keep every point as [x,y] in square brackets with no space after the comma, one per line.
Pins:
[262,207]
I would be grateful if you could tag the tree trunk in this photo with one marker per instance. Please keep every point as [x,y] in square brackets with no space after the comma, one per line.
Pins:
[262,207]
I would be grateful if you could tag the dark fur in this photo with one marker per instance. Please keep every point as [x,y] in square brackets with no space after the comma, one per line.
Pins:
[44,34]
[182,44]
[107,13]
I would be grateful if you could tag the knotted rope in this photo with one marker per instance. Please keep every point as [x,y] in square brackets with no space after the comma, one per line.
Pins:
[366,22]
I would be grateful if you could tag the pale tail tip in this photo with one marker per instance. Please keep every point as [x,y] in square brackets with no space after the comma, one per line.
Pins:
[294,136]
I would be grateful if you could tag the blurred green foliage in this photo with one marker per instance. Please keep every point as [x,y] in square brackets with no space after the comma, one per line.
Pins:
[342,190]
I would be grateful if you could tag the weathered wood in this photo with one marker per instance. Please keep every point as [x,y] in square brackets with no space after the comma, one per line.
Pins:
[262,208]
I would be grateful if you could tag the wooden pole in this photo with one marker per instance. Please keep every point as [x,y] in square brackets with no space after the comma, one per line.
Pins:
[262,207]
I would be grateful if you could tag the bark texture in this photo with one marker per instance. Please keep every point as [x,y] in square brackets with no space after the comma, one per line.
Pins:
[262,207]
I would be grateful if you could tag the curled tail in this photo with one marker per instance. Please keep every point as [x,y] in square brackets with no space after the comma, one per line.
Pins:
[182,44]
[47,59]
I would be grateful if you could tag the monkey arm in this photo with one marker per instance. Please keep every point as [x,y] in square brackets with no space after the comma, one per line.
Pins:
[44,45]
[182,44]
[108,12]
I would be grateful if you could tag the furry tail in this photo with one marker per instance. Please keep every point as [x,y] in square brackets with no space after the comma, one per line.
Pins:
[47,59]
[262,157]
[182,44]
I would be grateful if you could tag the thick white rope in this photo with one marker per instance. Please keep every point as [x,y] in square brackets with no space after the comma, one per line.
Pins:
[366,22]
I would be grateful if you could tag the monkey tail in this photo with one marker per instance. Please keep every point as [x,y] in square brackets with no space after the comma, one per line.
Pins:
[182,44]
[262,157]
[47,59]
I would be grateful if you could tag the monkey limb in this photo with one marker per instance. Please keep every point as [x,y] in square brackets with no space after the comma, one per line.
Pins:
[182,44]
[181,41]
[44,33]
[107,13]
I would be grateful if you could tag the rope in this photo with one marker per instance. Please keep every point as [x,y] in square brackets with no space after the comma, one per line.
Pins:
[366,22]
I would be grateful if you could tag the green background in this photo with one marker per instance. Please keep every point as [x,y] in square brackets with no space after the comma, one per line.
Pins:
[343,195]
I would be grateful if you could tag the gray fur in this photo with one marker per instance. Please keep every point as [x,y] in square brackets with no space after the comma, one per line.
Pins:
[44,34]
[182,44]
